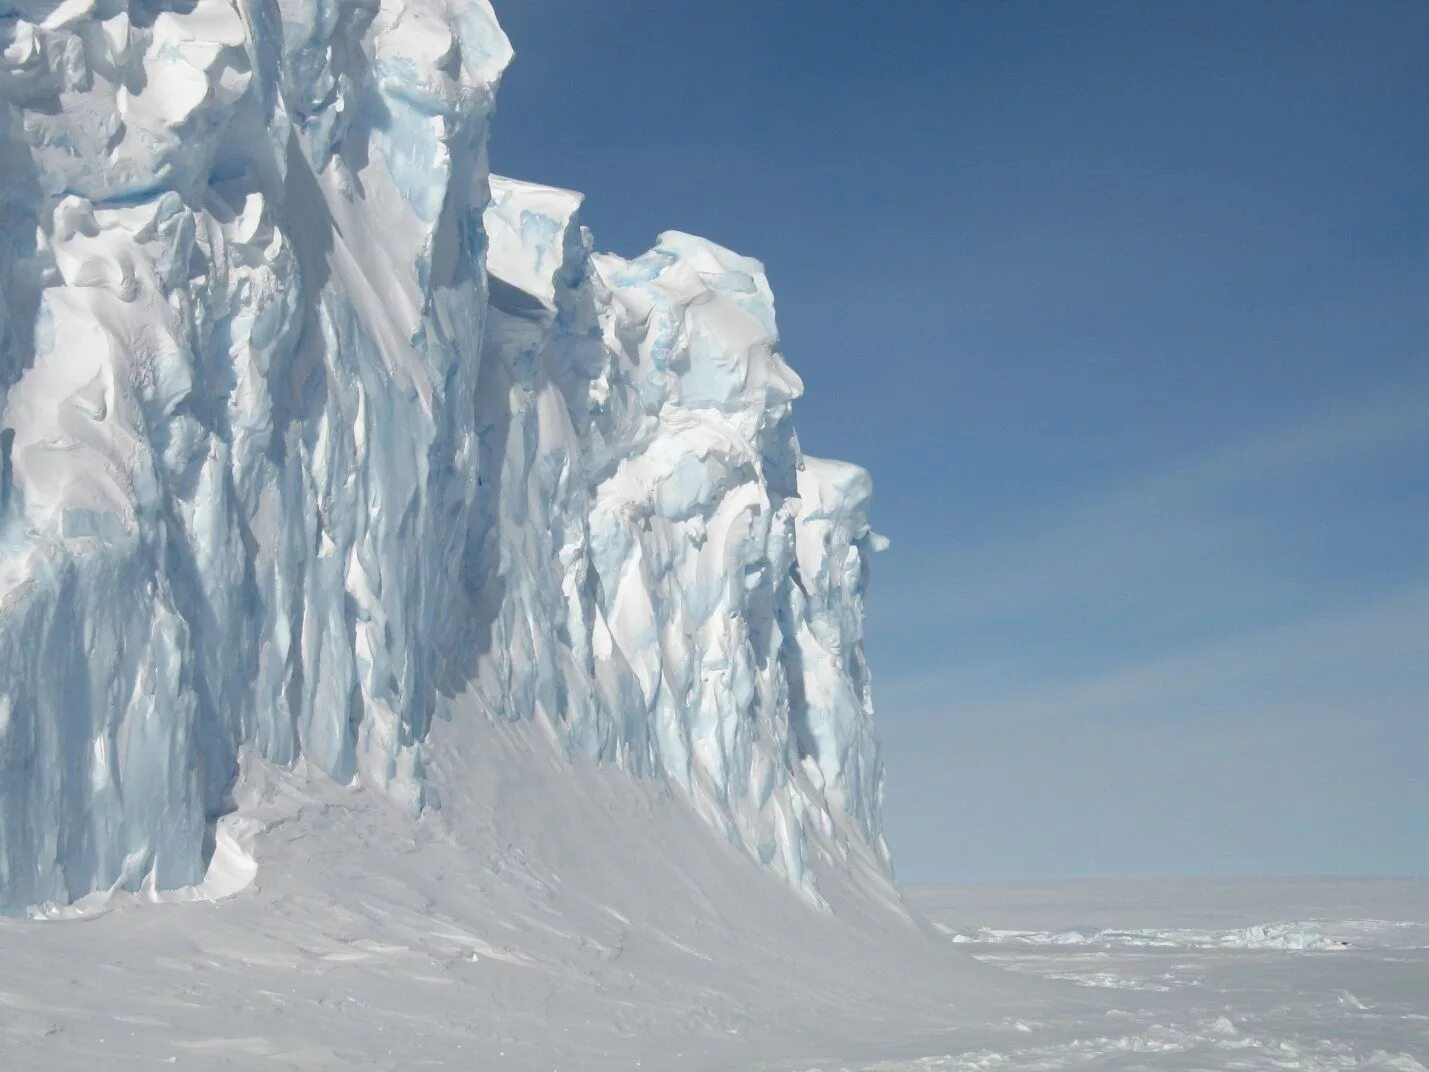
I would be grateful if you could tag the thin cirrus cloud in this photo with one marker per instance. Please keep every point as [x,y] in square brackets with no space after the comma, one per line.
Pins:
[1188,520]
[1371,655]
[1293,749]
[1139,682]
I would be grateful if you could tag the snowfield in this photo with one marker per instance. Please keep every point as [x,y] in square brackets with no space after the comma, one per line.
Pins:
[553,914]
[1208,974]
[425,644]
[496,934]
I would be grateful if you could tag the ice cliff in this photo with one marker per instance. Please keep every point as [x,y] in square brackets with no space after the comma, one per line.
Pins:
[307,422]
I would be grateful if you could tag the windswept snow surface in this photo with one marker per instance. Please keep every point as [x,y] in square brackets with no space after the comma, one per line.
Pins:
[494,934]
[553,914]
[1252,974]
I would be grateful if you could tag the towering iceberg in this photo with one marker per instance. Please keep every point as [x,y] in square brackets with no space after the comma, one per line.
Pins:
[288,452]
[667,577]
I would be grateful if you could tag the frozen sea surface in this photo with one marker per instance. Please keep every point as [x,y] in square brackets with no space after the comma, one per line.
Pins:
[1313,974]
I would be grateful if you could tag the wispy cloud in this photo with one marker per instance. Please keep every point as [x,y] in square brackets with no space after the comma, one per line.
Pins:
[1127,560]
[1154,524]
[1330,665]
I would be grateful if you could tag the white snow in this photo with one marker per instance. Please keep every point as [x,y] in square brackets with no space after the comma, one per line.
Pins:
[495,934]
[552,914]
[1190,981]
[1305,935]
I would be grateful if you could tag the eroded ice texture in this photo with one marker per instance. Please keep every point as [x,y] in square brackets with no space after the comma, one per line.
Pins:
[271,476]
[672,581]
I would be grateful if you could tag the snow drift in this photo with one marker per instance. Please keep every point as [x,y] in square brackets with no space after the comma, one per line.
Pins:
[308,423]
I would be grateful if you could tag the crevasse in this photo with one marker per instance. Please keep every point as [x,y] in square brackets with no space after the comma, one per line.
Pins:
[306,422]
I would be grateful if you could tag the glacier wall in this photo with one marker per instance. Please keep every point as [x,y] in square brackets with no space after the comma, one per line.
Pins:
[670,580]
[280,465]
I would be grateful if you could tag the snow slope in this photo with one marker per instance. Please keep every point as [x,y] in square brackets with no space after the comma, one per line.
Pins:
[553,914]
[289,454]
[369,941]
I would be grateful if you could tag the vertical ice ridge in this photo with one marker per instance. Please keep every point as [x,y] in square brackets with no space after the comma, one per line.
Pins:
[242,257]
[715,573]
[279,463]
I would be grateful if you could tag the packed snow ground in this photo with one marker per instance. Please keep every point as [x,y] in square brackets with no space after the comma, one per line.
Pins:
[553,914]
[496,934]
[1246,974]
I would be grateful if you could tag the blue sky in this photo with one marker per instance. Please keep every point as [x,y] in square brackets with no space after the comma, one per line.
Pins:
[1126,306]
